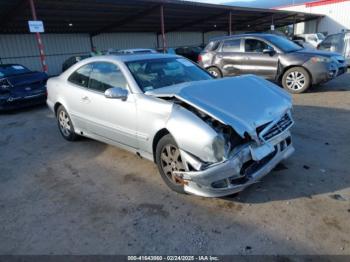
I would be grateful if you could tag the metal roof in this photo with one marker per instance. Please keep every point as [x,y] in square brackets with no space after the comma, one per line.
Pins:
[100,16]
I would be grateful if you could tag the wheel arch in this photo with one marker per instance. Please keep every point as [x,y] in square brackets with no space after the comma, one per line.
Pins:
[56,106]
[291,66]
[162,132]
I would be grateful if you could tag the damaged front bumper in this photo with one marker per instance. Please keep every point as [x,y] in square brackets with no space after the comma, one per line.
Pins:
[245,167]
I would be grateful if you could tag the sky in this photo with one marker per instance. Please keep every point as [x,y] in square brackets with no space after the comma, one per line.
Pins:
[254,3]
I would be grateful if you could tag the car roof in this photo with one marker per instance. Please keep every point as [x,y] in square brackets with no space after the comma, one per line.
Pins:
[262,35]
[7,65]
[129,58]
[137,49]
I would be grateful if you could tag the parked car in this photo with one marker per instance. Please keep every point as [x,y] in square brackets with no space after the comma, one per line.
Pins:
[72,60]
[208,137]
[273,57]
[21,87]
[190,52]
[135,51]
[312,39]
[301,42]
[339,43]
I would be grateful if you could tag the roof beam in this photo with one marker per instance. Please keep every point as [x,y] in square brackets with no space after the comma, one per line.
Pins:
[126,20]
[10,14]
[274,20]
[198,21]
[248,21]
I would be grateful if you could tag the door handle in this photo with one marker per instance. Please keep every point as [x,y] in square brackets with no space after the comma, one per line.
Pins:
[85,99]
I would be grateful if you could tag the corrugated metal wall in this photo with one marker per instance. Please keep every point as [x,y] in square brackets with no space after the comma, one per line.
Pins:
[125,40]
[176,39]
[210,35]
[23,49]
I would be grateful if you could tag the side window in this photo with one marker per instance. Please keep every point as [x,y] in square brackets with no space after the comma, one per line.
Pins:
[233,45]
[106,75]
[81,76]
[255,46]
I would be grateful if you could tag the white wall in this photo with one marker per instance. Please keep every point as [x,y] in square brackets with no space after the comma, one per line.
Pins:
[336,18]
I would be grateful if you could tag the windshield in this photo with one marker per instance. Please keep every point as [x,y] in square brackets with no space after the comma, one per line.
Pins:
[156,73]
[11,70]
[283,43]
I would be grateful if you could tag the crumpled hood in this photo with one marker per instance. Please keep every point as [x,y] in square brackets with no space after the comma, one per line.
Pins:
[243,102]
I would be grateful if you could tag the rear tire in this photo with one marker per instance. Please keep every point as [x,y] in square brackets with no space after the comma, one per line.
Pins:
[215,72]
[296,80]
[168,159]
[65,124]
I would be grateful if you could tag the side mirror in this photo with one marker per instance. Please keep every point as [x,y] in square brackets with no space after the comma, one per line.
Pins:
[268,51]
[116,93]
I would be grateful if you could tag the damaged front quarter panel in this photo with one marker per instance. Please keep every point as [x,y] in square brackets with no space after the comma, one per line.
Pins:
[192,134]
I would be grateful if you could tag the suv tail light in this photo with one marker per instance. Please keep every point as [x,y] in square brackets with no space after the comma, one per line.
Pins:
[199,59]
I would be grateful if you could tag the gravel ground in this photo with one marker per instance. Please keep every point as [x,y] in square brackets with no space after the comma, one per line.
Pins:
[86,197]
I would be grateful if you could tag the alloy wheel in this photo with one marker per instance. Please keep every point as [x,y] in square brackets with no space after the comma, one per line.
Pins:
[214,73]
[171,162]
[295,80]
[64,123]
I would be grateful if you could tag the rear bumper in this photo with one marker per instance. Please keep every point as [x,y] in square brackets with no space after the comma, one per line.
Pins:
[11,102]
[234,173]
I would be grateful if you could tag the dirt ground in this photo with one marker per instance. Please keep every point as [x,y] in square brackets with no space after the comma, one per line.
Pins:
[86,197]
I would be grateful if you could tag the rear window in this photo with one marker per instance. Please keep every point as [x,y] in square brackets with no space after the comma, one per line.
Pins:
[11,70]
[213,45]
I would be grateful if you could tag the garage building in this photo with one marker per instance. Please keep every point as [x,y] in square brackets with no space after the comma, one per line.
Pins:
[73,27]
[335,20]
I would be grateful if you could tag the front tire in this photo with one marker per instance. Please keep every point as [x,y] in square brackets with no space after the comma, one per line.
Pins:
[215,72]
[65,124]
[296,80]
[168,160]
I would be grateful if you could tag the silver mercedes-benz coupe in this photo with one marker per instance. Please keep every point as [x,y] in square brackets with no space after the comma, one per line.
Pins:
[209,137]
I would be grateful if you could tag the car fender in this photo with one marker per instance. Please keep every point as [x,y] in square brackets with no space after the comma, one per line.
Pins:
[191,133]
[289,60]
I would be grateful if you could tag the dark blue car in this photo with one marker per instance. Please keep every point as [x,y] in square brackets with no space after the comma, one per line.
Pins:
[21,87]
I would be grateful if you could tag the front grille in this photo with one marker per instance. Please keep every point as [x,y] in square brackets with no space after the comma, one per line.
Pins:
[280,126]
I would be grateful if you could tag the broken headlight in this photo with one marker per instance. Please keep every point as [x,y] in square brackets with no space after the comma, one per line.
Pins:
[219,148]
[4,86]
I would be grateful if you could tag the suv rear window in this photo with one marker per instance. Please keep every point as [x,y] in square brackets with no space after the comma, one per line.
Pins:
[213,45]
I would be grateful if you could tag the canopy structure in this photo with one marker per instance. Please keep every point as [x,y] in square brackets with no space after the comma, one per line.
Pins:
[101,16]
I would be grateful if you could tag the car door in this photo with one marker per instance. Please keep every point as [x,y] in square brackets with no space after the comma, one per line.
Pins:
[230,57]
[110,118]
[259,60]
[77,84]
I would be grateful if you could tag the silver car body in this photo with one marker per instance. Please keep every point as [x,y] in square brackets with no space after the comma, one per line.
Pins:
[195,113]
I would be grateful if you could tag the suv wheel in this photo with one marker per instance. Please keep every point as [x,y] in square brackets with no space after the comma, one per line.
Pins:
[296,80]
[169,160]
[215,72]
[65,124]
